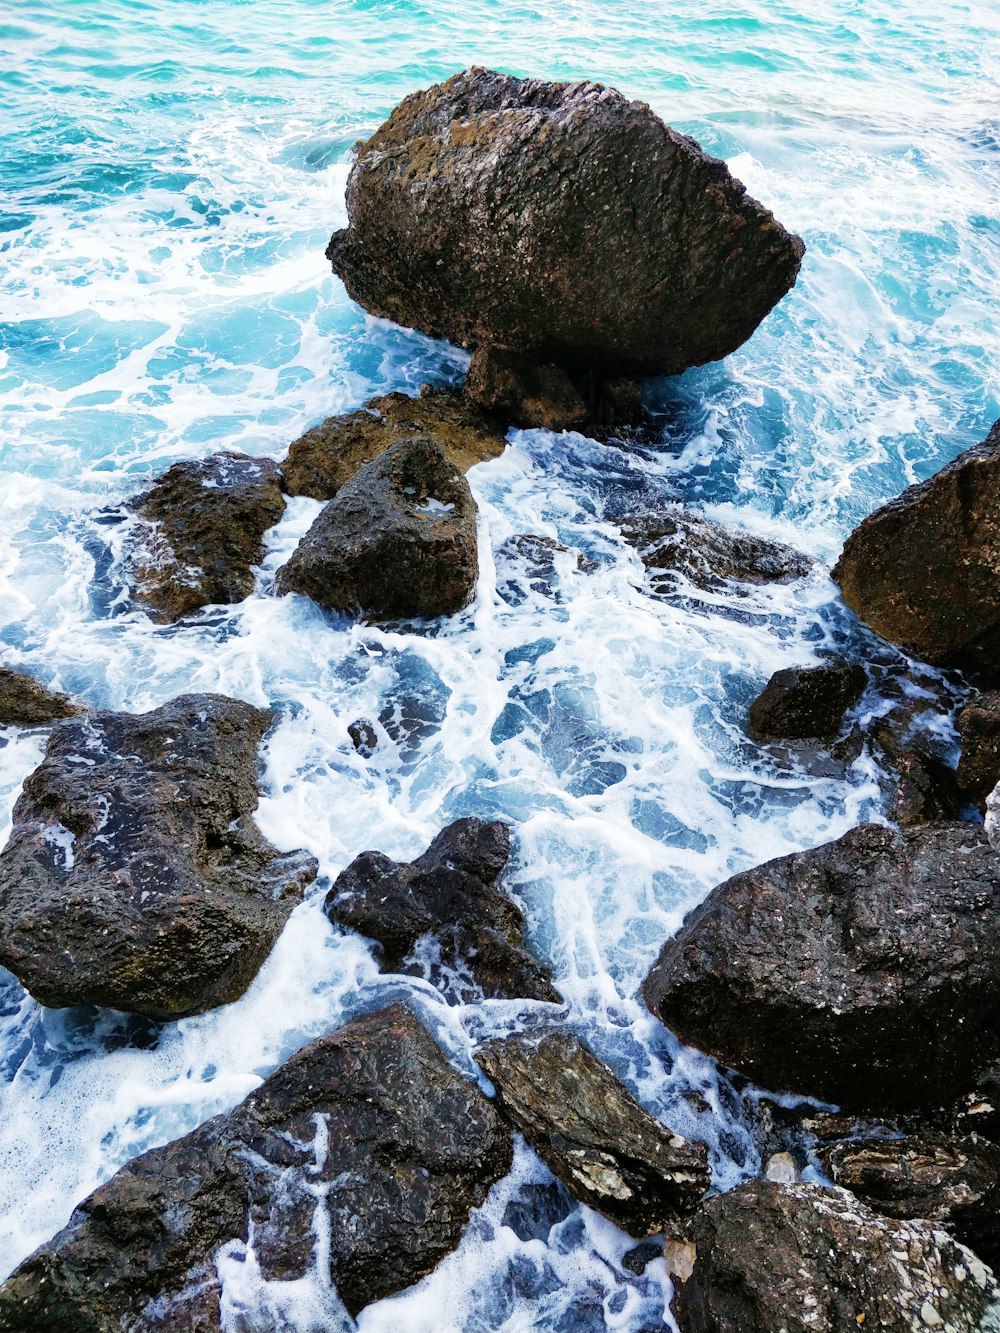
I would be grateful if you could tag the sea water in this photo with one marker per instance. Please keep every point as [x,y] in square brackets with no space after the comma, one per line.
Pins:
[172,170]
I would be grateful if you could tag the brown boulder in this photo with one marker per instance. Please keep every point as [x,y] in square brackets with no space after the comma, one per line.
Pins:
[26,703]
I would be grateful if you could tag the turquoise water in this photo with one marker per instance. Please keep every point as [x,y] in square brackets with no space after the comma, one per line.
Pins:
[171,174]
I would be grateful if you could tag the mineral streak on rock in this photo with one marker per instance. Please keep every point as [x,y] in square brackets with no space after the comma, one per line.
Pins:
[26,703]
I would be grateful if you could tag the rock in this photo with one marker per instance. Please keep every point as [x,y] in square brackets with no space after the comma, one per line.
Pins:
[924,570]
[398,540]
[525,393]
[364,737]
[443,915]
[365,1152]
[331,454]
[590,1131]
[135,876]
[993,818]
[202,529]
[799,703]
[803,1259]
[25,703]
[526,563]
[863,972]
[561,222]
[979,730]
[926,791]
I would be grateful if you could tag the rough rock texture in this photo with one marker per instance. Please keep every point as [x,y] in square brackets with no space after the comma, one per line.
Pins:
[369,1126]
[926,791]
[135,876]
[330,455]
[591,1132]
[398,540]
[443,915]
[863,972]
[525,393]
[803,1259]
[806,702]
[203,528]
[979,730]
[25,703]
[924,570]
[560,221]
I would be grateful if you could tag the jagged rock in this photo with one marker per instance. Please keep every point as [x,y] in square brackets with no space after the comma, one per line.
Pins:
[803,1259]
[559,221]
[398,540]
[863,972]
[979,730]
[525,393]
[364,1151]
[924,570]
[25,703]
[135,876]
[443,915]
[202,529]
[330,455]
[590,1131]
[806,702]
[926,791]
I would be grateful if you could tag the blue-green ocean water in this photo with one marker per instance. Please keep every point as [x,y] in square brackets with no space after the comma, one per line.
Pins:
[170,175]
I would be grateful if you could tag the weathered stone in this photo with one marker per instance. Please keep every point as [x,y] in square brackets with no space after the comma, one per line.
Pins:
[523,392]
[926,791]
[863,972]
[802,702]
[924,570]
[331,454]
[979,730]
[443,915]
[398,540]
[368,1128]
[559,221]
[26,703]
[202,529]
[803,1259]
[590,1131]
[135,876]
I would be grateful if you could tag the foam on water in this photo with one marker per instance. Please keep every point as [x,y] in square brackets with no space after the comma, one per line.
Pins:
[172,173]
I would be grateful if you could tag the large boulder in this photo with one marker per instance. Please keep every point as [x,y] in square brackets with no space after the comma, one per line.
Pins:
[443,916]
[924,570]
[363,1153]
[397,540]
[864,972]
[331,454]
[559,220]
[201,531]
[800,703]
[26,703]
[591,1132]
[803,1259]
[135,876]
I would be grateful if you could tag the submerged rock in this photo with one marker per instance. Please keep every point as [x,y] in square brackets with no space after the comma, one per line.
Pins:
[202,531]
[135,876]
[924,570]
[398,540]
[559,221]
[443,915]
[26,703]
[590,1131]
[363,1153]
[330,455]
[803,1259]
[801,703]
[979,730]
[863,972]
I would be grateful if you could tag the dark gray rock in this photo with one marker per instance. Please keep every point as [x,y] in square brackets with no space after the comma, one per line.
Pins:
[863,972]
[979,730]
[560,221]
[590,1131]
[26,703]
[397,540]
[802,703]
[442,916]
[803,1259]
[926,791]
[370,1126]
[135,876]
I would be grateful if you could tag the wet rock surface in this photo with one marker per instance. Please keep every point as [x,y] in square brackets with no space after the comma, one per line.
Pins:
[135,876]
[924,570]
[800,703]
[398,540]
[528,563]
[202,530]
[525,393]
[863,972]
[979,731]
[367,1137]
[926,791]
[330,455]
[560,221]
[805,1259]
[592,1133]
[443,915]
[26,703]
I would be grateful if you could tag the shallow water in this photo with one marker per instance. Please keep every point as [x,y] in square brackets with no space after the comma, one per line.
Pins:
[171,173]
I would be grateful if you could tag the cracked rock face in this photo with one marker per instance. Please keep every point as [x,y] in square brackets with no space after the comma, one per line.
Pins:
[561,221]
[135,876]
[363,1154]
